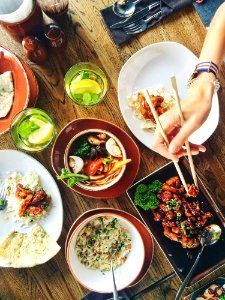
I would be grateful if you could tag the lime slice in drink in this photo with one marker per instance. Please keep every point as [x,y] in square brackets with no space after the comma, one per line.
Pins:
[41,135]
[85,86]
[38,121]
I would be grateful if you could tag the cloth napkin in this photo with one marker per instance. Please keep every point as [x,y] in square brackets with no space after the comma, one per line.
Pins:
[167,7]
[96,296]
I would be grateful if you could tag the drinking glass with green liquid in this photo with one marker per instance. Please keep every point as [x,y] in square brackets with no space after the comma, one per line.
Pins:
[85,84]
[32,130]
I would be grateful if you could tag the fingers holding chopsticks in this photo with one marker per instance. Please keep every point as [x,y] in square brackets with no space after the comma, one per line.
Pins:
[160,147]
[176,136]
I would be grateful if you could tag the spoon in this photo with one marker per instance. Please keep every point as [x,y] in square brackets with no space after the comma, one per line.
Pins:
[125,8]
[210,235]
[112,252]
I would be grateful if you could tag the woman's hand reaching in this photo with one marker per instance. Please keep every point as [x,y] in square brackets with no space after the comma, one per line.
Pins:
[195,108]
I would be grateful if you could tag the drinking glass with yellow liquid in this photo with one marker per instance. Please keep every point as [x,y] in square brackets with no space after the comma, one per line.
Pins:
[85,84]
[32,130]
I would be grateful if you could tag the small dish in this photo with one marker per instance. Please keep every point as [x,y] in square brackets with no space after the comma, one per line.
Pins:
[92,185]
[182,259]
[131,149]
[125,274]
[10,62]
[220,281]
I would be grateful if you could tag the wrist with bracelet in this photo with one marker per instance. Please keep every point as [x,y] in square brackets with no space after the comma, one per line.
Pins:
[210,70]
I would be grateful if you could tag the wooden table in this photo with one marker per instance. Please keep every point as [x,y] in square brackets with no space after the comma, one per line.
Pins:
[90,41]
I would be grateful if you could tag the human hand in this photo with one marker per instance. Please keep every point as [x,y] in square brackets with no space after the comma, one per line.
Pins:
[195,108]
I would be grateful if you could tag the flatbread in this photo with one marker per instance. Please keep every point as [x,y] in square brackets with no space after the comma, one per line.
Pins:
[6,93]
[24,250]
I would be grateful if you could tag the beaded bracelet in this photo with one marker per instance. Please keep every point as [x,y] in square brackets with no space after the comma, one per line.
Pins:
[195,81]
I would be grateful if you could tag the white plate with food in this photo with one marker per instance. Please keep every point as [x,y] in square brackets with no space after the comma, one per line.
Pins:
[152,67]
[32,198]
[91,244]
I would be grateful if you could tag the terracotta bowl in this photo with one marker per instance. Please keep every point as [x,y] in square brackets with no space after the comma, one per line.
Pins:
[125,274]
[68,152]
[9,62]
[80,125]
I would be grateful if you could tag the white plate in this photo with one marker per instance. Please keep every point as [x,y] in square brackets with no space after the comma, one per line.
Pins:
[151,66]
[101,282]
[16,161]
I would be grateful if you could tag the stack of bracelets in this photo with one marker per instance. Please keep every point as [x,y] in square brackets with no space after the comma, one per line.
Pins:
[209,67]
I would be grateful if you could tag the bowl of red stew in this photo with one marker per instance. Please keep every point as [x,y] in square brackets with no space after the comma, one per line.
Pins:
[94,159]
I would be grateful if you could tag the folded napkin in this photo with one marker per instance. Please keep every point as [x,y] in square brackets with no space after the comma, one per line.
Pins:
[167,7]
[96,296]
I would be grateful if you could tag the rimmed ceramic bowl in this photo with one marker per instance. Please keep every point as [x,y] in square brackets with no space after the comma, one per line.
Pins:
[125,274]
[10,62]
[68,152]
[75,127]
[144,232]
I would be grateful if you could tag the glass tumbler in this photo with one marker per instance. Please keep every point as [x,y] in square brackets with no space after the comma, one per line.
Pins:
[85,84]
[54,8]
[32,130]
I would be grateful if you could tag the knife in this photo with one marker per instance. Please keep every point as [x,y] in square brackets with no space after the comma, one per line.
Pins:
[135,17]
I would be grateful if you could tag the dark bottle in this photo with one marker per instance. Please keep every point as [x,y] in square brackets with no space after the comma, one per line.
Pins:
[34,49]
[55,37]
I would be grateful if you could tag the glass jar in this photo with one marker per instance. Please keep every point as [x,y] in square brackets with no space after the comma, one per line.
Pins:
[34,49]
[55,37]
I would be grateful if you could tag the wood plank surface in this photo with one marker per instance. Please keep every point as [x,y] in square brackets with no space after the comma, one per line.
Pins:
[89,40]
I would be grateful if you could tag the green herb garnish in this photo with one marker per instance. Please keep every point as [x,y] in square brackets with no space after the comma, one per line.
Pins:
[73,178]
[171,204]
[182,225]
[82,148]
[26,128]
[179,215]
[106,160]
[216,236]
[155,187]
[146,195]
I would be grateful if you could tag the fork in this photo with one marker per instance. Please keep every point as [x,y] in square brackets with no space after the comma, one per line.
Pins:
[141,25]
[3,192]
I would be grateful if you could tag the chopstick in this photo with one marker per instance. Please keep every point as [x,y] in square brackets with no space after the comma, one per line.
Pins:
[187,145]
[155,115]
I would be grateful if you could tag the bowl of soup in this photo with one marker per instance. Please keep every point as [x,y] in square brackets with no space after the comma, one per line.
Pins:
[97,158]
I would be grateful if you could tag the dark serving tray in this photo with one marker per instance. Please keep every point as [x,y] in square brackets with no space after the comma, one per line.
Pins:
[182,259]
[219,281]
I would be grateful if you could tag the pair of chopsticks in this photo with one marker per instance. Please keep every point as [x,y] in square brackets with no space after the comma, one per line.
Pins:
[177,100]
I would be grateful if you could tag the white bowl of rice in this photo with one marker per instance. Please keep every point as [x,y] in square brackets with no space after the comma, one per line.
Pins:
[88,252]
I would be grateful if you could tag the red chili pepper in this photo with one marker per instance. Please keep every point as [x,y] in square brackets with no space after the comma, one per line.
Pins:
[93,166]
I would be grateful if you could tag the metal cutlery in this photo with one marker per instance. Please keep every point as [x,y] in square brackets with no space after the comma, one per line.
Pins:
[141,25]
[210,235]
[135,17]
[126,9]
[112,252]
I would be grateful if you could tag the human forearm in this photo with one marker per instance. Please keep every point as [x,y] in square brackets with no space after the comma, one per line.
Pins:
[214,45]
